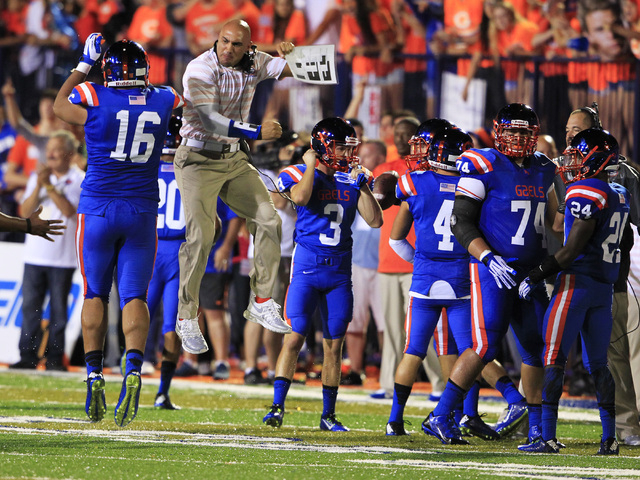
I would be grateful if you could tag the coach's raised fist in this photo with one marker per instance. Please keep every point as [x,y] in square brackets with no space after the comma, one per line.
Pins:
[271,130]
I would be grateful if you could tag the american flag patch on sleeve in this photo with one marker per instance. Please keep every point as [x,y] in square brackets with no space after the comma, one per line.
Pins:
[137,100]
[448,187]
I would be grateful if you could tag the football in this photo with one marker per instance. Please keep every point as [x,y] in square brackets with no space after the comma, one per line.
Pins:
[384,189]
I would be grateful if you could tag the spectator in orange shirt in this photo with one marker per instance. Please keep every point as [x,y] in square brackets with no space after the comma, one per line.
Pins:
[461,27]
[368,42]
[151,29]
[414,95]
[279,22]
[203,23]
[513,36]
[248,11]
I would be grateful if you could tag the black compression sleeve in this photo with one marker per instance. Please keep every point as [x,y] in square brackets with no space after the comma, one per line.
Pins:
[463,220]
[548,267]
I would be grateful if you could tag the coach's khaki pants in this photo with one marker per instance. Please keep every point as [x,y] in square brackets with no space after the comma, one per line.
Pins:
[202,176]
[623,356]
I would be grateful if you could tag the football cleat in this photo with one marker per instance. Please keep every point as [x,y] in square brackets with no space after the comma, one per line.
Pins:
[331,424]
[444,428]
[266,314]
[189,332]
[396,429]
[95,405]
[516,413]
[609,446]
[127,407]
[274,417]
[540,446]
[475,426]
[163,402]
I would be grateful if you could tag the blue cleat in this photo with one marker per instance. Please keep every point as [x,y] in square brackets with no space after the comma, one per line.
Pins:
[515,415]
[540,446]
[396,429]
[127,407]
[331,424]
[475,426]
[444,428]
[274,417]
[96,405]
[164,402]
[609,446]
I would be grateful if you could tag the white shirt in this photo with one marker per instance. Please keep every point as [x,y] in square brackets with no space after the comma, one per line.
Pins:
[62,251]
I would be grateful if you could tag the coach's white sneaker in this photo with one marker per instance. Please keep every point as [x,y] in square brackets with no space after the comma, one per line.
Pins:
[189,332]
[266,314]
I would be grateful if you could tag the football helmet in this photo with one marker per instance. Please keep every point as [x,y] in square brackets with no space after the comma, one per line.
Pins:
[173,137]
[445,148]
[330,134]
[420,142]
[125,64]
[591,151]
[516,129]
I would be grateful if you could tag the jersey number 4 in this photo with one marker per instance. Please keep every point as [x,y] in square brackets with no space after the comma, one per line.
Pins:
[133,149]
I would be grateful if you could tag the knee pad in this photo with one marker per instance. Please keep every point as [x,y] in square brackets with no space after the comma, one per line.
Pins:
[125,300]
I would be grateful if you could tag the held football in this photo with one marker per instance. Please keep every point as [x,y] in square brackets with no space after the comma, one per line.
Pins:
[384,189]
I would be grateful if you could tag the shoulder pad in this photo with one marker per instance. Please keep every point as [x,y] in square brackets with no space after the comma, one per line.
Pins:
[476,161]
[85,94]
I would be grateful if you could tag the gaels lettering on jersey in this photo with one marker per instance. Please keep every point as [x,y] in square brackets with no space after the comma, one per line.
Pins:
[333,195]
[530,191]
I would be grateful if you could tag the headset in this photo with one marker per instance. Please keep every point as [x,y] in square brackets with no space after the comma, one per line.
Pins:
[246,62]
[593,113]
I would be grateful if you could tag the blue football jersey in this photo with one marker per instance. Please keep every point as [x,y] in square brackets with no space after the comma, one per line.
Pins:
[324,224]
[124,132]
[430,198]
[608,205]
[171,222]
[512,217]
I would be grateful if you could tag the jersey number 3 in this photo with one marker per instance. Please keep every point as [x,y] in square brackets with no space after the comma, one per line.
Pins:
[133,149]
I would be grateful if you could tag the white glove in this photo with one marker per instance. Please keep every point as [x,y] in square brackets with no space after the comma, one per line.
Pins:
[502,273]
[91,53]
[524,290]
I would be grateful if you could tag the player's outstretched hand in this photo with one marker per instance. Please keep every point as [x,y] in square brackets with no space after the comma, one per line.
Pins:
[92,48]
[44,228]
[524,290]
[502,273]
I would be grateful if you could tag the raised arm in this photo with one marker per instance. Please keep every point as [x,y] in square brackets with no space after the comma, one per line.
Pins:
[63,108]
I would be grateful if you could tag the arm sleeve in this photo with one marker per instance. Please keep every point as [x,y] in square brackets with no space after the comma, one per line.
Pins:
[403,248]
[463,220]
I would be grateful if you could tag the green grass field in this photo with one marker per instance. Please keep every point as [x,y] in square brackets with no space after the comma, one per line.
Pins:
[44,434]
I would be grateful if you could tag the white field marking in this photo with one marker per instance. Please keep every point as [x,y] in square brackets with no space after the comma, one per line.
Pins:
[514,469]
[315,393]
[509,470]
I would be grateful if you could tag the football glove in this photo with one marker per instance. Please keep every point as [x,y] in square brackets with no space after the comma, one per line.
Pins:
[502,273]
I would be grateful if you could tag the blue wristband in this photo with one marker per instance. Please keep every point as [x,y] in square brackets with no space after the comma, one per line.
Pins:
[244,130]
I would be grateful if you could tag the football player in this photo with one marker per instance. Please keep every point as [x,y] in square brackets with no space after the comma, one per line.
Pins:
[499,215]
[125,122]
[587,266]
[440,282]
[327,198]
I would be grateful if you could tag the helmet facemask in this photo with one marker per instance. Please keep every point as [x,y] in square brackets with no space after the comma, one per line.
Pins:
[339,156]
[510,143]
